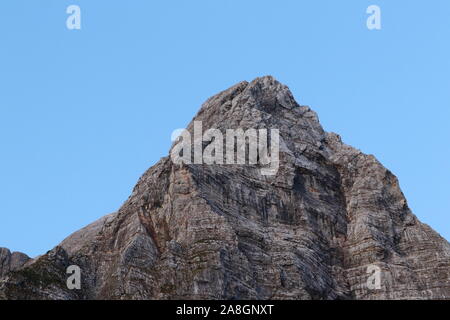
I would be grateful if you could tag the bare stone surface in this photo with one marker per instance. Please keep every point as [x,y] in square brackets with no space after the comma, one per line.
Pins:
[227,232]
[11,261]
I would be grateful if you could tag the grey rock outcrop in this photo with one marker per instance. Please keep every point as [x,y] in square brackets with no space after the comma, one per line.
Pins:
[11,261]
[227,232]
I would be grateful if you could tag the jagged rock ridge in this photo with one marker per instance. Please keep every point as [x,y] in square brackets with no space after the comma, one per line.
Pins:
[228,232]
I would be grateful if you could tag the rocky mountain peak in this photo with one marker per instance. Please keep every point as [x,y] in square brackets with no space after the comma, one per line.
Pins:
[329,223]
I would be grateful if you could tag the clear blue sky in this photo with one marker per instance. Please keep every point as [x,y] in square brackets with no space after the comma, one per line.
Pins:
[84,113]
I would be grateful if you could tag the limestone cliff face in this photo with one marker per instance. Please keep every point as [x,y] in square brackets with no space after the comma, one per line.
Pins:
[227,232]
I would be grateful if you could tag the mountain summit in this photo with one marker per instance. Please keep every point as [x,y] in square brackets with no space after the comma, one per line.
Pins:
[330,223]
